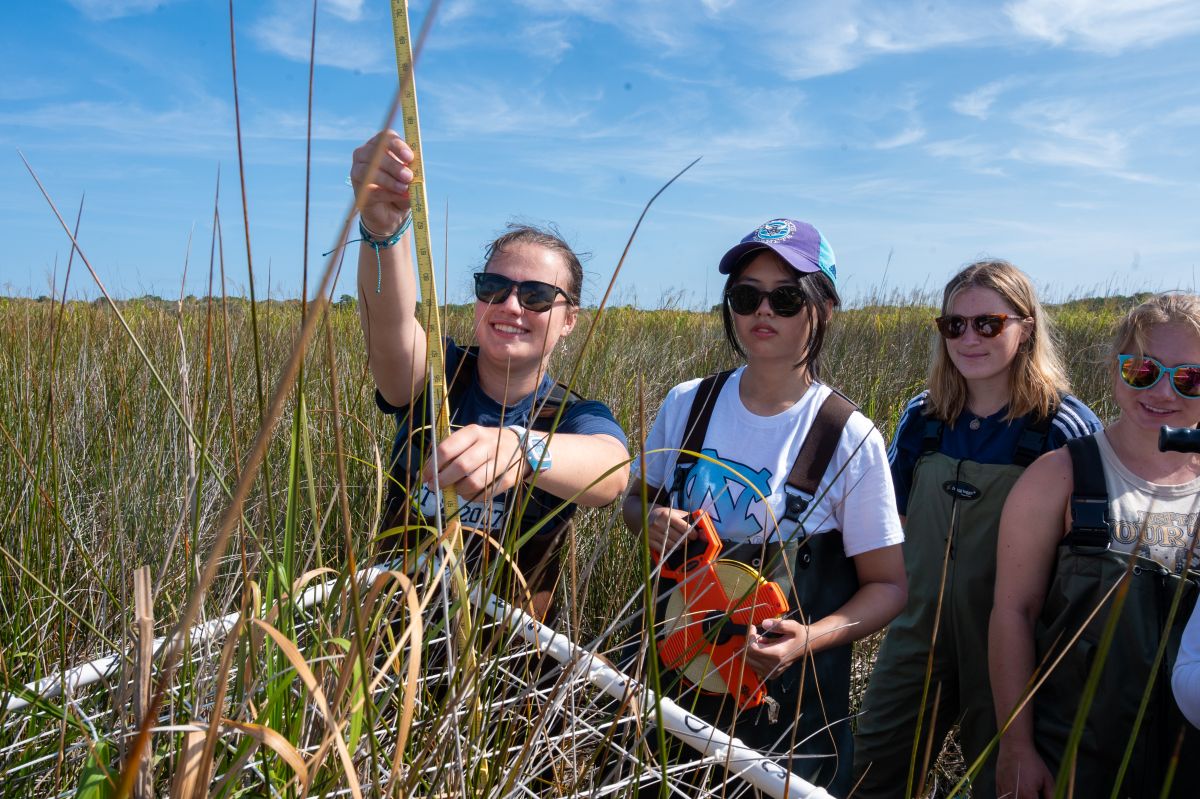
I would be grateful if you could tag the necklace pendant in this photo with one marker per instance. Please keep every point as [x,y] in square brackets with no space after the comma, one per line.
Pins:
[974,425]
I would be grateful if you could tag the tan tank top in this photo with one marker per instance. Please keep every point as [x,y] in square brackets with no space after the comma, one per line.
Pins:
[1158,520]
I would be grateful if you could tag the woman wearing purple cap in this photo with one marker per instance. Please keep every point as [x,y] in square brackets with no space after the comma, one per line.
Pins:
[796,482]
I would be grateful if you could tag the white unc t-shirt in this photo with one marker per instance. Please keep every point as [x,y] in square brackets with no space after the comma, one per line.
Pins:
[748,457]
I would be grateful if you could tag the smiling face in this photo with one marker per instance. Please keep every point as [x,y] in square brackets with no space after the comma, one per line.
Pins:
[514,336]
[764,334]
[985,362]
[1171,343]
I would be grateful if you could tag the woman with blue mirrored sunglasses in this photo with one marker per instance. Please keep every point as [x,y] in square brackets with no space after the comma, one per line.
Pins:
[1110,512]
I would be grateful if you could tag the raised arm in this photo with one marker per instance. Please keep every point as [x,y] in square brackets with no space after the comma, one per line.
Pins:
[1031,528]
[395,340]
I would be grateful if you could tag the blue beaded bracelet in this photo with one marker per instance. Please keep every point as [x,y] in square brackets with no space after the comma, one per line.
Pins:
[377,243]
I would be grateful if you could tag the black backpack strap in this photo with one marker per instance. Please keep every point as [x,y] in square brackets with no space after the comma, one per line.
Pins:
[815,454]
[697,426]
[1090,531]
[547,407]
[931,440]
[460,382]
[1032,441]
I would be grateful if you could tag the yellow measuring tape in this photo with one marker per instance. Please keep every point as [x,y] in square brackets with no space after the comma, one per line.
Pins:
[435,383]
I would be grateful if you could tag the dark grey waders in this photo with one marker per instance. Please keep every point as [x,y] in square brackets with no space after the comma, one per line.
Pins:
[805,719]
[953,524]
[1085,571]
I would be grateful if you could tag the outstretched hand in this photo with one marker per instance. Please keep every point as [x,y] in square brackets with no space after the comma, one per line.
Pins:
[477,462]
[385,200]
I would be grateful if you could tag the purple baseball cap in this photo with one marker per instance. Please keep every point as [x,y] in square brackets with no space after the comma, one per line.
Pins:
[798,243]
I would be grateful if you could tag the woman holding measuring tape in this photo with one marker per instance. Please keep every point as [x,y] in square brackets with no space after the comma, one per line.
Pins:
[501,456]
[834,549]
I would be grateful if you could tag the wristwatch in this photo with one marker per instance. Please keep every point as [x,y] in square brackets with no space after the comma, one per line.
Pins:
[537,454]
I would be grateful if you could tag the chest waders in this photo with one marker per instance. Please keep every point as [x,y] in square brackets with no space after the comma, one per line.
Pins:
[538,557]
[808,706]
[1085,571]
[950,561]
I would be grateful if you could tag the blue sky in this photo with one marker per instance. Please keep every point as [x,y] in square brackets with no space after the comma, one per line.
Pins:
[918,136]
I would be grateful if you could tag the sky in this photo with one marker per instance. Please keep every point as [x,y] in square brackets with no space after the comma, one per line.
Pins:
[917,136]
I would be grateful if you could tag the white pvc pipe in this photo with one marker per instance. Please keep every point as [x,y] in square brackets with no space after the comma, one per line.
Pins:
[101,669]
[739,759]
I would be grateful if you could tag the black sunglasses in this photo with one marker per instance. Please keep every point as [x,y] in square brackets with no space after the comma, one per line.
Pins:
[744,299]
[987,325]
[533,295]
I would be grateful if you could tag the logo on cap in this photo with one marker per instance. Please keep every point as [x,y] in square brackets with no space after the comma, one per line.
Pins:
[775,230]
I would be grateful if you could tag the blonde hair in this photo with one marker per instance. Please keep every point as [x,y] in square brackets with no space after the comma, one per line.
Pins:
[1161,309]
[1036,377]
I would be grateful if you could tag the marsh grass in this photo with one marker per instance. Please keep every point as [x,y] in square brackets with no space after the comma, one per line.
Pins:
[102,477]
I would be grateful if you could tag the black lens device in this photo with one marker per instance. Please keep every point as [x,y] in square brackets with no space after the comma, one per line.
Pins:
[1179,439]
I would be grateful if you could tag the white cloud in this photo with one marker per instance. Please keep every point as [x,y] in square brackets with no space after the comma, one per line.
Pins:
[454,10]
[1106,26]
[976,156]
[1069,133]
[115,9]
[342,41]
[15,88]
[902,139]
[979,103]
[844,35]
[200,127]
[804,40]
[349,10]
[663,25]
[477,109]
[546,39]
[1185,117]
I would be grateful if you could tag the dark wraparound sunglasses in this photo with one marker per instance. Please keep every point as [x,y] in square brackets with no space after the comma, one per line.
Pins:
[987,325]
[744,299]
[533,295]
[1143,372]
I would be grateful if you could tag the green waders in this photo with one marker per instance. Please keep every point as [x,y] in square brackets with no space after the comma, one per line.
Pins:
[953,521]
[1085,572]
[1080,583]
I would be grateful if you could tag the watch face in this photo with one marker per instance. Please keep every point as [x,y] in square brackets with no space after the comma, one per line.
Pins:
[537,454]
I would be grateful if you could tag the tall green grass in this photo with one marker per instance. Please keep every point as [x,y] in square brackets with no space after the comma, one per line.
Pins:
[102,476]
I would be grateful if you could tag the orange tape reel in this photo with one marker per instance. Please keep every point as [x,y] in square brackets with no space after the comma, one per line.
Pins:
[707,616]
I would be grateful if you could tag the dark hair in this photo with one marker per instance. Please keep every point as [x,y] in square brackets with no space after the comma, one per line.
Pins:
[817,290]
[550,239]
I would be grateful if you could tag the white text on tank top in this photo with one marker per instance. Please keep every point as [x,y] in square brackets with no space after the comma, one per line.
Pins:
[1157,520]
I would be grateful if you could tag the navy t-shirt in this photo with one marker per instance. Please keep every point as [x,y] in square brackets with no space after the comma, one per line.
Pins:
[474,406]
[994,442]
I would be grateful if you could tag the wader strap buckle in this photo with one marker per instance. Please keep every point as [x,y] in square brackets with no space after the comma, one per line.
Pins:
[677,482]
[1089,525]
[795,503]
